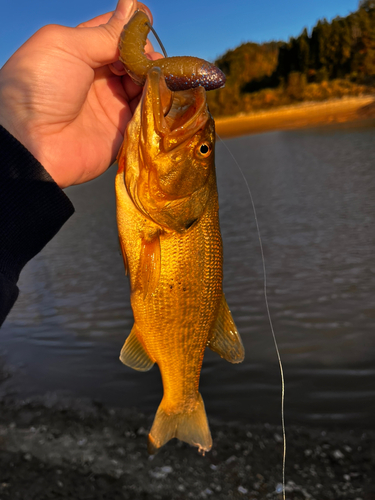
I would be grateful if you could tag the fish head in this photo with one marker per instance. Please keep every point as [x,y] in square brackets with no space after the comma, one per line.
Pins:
[172,172]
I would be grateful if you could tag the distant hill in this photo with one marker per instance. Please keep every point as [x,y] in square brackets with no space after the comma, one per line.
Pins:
[337,59]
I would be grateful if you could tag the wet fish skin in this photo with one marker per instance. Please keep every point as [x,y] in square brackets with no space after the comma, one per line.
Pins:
[167,213]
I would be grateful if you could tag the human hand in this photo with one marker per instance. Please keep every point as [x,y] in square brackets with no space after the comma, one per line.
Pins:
[62,98]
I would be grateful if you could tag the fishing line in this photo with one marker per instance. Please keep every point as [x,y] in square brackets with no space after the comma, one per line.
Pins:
[158,39]
[268,311]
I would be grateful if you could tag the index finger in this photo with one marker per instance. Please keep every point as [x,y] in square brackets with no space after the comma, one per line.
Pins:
[96,21]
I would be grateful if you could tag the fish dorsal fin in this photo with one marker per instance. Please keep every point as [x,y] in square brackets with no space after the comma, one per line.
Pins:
[133,353]
[225,339]
[150,264]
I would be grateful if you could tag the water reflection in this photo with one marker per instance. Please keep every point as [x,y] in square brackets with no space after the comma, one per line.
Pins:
[314,193]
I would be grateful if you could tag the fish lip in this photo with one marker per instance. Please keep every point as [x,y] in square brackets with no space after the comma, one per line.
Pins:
[173,105]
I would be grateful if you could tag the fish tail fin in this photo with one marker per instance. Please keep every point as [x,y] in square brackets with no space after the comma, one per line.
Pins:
[190,426]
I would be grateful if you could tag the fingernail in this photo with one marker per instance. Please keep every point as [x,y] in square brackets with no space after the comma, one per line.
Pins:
[146,10]
[124,9]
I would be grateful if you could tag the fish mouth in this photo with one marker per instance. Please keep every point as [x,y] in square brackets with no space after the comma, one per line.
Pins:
[177,115]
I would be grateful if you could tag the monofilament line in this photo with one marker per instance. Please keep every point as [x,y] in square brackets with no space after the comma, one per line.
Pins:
[158,39]
[268,312]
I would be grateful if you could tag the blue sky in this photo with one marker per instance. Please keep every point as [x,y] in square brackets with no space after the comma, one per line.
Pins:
[194,27]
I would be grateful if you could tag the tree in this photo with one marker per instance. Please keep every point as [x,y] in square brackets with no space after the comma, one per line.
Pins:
[367,5]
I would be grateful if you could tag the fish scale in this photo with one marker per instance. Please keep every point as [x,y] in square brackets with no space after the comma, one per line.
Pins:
[188,331]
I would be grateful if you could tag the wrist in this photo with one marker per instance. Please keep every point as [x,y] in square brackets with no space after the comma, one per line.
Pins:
[20,132]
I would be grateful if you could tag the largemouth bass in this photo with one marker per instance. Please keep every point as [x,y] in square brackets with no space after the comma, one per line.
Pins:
[167,213]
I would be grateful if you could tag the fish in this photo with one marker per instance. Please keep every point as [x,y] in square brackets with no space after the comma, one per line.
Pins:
[168,222]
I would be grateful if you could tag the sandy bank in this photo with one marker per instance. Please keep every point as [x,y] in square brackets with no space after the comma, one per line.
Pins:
[298,116]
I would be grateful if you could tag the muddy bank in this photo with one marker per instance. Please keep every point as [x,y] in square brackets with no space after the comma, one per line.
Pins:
[59,448]
[306,114]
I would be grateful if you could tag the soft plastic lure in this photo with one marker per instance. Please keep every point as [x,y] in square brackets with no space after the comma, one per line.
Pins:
[180,73]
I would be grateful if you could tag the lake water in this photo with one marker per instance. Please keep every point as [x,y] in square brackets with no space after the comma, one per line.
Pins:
[314,192]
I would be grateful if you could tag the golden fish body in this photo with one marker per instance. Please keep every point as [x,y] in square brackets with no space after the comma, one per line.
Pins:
[167,212]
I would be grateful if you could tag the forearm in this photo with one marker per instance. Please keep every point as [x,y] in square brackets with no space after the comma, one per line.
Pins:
[32,210]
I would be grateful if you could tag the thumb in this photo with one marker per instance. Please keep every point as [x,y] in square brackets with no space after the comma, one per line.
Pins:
[98,45]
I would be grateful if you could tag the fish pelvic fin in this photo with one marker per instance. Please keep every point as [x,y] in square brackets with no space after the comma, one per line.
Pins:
[190,426]
[225,339]
[133,353]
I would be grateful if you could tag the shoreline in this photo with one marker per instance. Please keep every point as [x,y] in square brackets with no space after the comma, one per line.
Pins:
[58,447]
[305,114]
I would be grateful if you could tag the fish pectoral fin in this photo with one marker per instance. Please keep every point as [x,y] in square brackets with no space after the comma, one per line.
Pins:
[134,355]
[150,265]
[225,339]
[124,256]
[189,426]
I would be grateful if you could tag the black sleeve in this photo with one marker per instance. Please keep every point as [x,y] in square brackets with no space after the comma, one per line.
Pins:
[32,210]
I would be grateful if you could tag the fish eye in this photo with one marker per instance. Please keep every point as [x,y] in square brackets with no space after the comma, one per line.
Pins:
[204,149]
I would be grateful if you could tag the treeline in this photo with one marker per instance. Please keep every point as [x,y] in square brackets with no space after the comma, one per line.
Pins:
[337,59]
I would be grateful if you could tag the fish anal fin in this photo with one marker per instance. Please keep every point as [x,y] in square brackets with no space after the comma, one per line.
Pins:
[134,355]
[190,426]
[150,264]
[225,339]
[123,251]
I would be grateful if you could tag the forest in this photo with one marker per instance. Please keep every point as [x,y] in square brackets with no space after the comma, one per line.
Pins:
[337,59]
